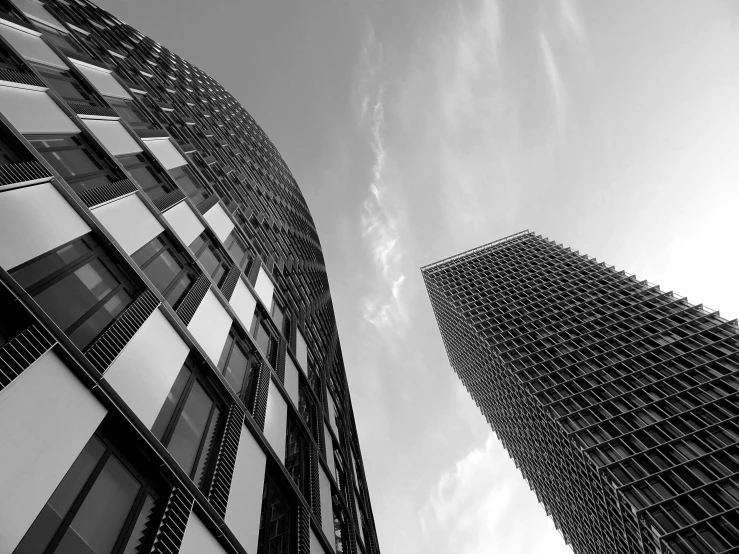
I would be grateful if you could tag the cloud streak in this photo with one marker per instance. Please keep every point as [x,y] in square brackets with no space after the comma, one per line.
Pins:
[379,220]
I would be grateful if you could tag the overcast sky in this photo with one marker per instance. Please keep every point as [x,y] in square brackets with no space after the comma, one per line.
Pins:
[420,128]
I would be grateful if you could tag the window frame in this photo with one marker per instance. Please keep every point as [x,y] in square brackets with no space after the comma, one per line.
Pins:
[223,259]
[164,185]
[180,257]
[248,386]
[96,252]
[148,487]
[105,167]
[219,403]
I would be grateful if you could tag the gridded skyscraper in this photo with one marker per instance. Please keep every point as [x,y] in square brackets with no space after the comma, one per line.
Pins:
[171,377]
[616,400]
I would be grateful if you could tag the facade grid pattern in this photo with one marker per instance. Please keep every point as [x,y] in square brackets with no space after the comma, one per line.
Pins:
[149,184]
[615,399]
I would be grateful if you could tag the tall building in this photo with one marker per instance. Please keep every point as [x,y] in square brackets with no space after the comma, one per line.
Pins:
[171,377]
[616,400]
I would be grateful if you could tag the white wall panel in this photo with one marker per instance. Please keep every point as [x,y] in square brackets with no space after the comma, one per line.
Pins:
[34,220]
[275,423]
[30,45]
[34,112]
[102,80]
[265,288]
[292,380]
[129,221]
[315,545]
[114,136]
[219,222]
[46,418]
[198,539]
[184,222]
[243,303]
[144,372]
[36,11]
[245,500]
[165,152]
[330,451]
[210,326]
[327,509]
[301,351]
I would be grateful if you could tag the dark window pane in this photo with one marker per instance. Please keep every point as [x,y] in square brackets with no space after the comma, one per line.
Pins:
[48,521]
[236,249]
[140,527]
[235,370]
[263,339]
[198,243]
[163,270]
[89,183]
[146,252]
[178,290]
[277,315]
[145,178]
[226,352]
[43,267]
[97,322]
[165,414]
[190,428]
[98,522]
[208,448]
[68,299]
[211,264]
[70,163]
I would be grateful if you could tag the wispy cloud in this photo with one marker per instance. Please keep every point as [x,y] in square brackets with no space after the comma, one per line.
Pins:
[379,221]
[482,505]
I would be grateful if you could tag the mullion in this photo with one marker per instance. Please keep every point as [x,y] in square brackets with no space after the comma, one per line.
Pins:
[169,430]
[138,504]
[61,273]
[154,256]
[203,438]
[72,328]
[74,508]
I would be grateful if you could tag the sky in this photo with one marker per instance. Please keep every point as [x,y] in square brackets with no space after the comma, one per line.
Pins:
[417,129]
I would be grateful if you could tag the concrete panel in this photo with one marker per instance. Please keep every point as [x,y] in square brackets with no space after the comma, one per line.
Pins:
[210,326]
[184,222]
[33,221]
[245,500]
[129,221]
[144,372]
[275,423]
[46,418]
[219,221]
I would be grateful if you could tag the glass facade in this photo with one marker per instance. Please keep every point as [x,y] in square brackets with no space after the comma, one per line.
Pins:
[617,400]
[167,335]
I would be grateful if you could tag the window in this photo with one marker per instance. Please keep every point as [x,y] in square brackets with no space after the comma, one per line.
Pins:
[66,85]
[239,366]
[166,268]
[74,159]
[188,183]
[276,525]
[210,256]
[297,455]
[189,425]
[9,149]
[101,506]
[281,319]
[130,113]
[264,338]
[79,287]
[237,249]
[148,178]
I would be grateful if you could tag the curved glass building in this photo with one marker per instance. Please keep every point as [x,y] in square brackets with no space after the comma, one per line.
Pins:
[171,377]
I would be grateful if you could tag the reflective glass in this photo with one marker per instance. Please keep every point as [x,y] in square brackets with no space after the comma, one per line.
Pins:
[235,369]
[97,322]
[51,516]
[170,403]
[207,448]
[43,267]
[178,290]
[188,434]
[70,298]
[99,521]
[162,270]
